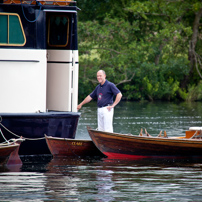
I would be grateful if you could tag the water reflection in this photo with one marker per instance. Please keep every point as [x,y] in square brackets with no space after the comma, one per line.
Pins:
[61,187]
[74,179]
[122,180]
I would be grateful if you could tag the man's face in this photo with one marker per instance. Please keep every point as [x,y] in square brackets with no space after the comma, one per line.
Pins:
[101,77]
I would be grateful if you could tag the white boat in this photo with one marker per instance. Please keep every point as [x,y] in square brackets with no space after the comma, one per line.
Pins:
[38,71]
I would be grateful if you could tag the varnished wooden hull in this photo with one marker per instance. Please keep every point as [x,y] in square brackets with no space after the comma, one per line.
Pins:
[71,147]
[115,145]
[5,152]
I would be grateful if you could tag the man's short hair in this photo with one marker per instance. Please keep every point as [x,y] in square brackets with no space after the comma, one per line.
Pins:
[102,71]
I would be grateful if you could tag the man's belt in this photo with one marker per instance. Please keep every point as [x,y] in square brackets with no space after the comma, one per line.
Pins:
[104,105]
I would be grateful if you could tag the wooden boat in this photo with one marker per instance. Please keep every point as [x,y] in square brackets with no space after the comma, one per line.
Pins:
[9,152]
[39,71]
[5,151]
[71,147]
[116,145]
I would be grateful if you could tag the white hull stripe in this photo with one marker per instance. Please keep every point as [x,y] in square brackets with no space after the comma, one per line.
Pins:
[59,62]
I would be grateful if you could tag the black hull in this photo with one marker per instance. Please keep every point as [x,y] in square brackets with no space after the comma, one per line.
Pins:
[33,127]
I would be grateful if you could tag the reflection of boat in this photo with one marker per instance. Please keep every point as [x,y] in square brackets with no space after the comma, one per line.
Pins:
[9,152]
[116,145]
[39,71]
[72,147]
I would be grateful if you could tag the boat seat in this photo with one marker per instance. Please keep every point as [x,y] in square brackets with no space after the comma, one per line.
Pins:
[197,135]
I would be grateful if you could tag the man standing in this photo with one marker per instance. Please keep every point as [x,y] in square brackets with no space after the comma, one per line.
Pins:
[104,93]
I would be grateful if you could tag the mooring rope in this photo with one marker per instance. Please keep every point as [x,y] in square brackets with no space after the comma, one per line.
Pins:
[3,136]
[18,135]
[9,142]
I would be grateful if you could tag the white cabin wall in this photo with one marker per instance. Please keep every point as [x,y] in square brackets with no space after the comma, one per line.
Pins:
[23,81]
[59,80]
[58,93]
[75,80]
[62,80]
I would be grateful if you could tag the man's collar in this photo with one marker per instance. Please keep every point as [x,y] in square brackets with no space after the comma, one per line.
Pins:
[105,83]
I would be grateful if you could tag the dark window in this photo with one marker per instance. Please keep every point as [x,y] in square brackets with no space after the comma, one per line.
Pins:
[58,31]
[11,31]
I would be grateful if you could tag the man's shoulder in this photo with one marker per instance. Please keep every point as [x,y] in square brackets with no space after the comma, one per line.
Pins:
[113,87]
[110,83]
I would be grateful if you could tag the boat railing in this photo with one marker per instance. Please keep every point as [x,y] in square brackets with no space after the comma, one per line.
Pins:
[43,2]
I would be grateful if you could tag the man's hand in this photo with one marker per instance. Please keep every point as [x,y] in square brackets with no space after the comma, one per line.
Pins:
[86,100]
[117,100]
[109,108]
[79,106]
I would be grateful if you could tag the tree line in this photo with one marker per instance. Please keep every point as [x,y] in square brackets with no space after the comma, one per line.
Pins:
[151,49]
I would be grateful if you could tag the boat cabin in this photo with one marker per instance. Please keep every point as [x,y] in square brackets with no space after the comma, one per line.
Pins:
[38,56]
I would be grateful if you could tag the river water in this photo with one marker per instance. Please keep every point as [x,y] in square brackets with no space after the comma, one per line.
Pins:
[42,178]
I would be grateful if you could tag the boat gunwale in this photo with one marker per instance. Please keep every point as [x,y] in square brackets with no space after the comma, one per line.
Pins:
[149,138]
[51,113]
[67,139]
[9,146]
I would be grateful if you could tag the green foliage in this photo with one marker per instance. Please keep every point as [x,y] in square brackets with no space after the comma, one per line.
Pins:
[195,92]
[183,94]
[142,45]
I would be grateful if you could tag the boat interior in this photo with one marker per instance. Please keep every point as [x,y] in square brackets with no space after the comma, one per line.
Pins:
[192,133]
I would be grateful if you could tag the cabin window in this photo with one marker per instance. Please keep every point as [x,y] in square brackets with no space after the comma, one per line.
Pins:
[12,33]
[58,31]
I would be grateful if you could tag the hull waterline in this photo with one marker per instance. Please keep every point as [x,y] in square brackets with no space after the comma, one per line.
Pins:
[115,145]
[65,147]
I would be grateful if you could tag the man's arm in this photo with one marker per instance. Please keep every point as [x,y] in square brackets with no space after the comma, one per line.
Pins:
[117,100]
[86,100]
